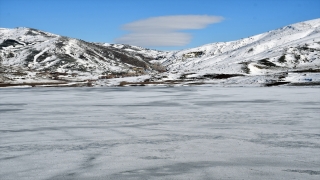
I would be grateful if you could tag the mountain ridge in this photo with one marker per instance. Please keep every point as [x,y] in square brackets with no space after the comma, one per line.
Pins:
[280,56]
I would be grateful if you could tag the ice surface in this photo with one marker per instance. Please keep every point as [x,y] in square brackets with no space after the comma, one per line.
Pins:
[160,133]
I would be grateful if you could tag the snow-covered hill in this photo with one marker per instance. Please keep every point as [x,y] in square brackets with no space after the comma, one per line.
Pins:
[30,54]
[286,51]
[288,55]
[294,46]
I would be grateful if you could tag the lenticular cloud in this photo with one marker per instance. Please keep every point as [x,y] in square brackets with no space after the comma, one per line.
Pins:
[164,30]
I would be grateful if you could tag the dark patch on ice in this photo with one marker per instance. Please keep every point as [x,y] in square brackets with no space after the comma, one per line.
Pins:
[13,104]
[9,110]
[258,101]
[310,172]
[152,157]
[71,174]
[77,173]
[32,130]
[8,158]
[167,170]
[153,103]
[171,170]
[316,108]
[66,176]
[15,157]
[83,146]
[287,144]
[311,103]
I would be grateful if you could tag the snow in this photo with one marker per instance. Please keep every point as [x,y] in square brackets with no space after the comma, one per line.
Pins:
[303,77]
[223,57]
[253,56]
[117,81]
[36,56]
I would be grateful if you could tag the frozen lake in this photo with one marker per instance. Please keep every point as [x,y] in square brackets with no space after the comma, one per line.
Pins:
[160,133]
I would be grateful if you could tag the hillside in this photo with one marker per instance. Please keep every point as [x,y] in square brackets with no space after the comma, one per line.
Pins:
[291,49]
[30,55]
[289,55]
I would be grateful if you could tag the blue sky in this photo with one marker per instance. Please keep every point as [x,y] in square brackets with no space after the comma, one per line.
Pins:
[116,20]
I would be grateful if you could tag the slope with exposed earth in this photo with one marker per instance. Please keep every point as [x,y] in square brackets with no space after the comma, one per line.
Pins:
[289,55]
[33,56]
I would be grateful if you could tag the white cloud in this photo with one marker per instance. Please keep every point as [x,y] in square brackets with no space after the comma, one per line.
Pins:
[164,30]
[156,39]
